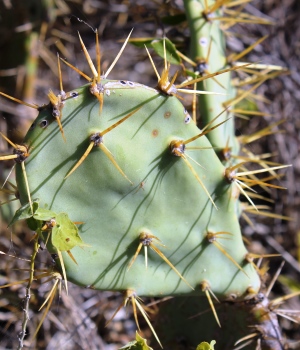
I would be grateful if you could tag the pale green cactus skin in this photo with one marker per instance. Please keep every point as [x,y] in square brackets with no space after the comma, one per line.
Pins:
[170,203]
[208,43]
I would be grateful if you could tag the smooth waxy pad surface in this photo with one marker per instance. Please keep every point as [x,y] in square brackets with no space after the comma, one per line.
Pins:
[129,183]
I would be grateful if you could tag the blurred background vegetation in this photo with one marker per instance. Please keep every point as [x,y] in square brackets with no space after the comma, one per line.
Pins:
[31,33]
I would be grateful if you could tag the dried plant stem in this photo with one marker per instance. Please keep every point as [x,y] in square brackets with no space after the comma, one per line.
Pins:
[26,300]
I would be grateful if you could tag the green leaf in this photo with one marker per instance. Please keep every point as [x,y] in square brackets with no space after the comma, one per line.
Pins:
[291,283]
[42,214]
[65,234]
[24,212]
[171,52]
[33,224]
[247,105]
[192,74]
[141,42]
[138,344]
[206,346]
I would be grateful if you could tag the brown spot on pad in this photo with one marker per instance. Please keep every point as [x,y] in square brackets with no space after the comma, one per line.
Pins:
[154,132]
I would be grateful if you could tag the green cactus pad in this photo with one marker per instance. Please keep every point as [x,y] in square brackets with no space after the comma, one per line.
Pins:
[208,51]
[165,194]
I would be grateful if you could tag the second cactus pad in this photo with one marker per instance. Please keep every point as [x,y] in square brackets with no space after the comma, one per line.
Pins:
[136,181]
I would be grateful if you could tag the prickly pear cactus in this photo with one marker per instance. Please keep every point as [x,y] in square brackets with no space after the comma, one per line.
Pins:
[129,194]
[136,185]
